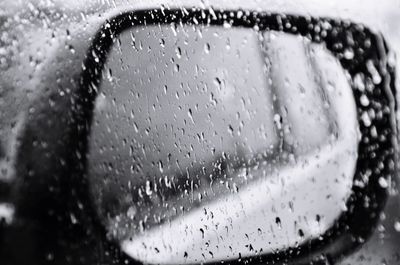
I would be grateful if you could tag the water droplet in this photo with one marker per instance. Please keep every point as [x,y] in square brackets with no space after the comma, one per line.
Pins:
[278,222]
[397,226]
[230,130]
[178,52]
[190,114]
[207,48]
[349,54]
[71,49]
[202,232]
[148,187]
[162,43]
[366,119]
[73,218]
[131,212]
[383,183]
[364,100]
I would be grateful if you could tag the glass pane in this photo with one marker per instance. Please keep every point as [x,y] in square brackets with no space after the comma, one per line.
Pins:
[214,143]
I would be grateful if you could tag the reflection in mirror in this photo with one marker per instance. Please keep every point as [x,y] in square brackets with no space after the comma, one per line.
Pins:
[213,143]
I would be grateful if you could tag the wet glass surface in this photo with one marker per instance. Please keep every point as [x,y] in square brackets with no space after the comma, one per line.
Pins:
[199,135]
[208,144]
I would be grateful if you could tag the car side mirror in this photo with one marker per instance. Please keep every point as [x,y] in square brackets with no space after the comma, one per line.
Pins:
[232,136]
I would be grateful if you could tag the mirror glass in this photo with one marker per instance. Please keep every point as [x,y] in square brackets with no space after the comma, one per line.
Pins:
[214,143]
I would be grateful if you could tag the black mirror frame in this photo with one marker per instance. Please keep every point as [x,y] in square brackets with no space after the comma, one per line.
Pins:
[376,156]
